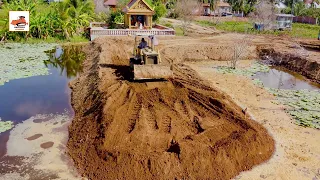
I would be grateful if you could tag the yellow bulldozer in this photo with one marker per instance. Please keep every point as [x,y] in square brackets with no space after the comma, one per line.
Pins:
[145,63]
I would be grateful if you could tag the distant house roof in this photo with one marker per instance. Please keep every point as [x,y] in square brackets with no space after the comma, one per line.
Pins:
[281,5]
[110,3]
[223,4]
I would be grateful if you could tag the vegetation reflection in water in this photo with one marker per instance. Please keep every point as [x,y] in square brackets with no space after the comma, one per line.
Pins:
[68,58]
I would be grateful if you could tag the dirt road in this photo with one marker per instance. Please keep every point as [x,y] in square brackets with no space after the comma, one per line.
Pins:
[181,128]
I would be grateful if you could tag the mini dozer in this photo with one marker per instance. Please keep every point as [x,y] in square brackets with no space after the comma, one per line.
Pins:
[145,63]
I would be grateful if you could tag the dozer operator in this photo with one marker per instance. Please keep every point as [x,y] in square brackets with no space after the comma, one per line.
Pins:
[145,62]
[143,44]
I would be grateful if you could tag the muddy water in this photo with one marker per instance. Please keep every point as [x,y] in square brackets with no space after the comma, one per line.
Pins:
[24,98]
[281,78]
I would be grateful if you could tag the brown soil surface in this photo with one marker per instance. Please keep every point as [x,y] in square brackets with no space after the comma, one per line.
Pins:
[313,44]
[46,145]
[297,154]
[41,120]
[177,129]
[36,136]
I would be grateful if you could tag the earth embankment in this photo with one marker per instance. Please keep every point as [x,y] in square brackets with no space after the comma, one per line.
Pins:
[294,58]
[175,129]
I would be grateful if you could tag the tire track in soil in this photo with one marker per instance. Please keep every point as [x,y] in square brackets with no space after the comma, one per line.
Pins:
[179,129]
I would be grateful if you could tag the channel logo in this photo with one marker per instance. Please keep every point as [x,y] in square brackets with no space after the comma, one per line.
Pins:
[19,20]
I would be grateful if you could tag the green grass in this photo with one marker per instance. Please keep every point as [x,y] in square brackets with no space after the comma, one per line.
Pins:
[179,31]
[231,26]
[168,24]
[305,30]
[3,15]
[298,29]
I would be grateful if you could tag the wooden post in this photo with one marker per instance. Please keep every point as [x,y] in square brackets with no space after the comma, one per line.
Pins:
[129,20]
[150,21]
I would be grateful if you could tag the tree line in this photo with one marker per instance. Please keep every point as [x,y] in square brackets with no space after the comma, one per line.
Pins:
[56,19]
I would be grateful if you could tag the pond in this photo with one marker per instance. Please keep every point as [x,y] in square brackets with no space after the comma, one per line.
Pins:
[281,78]
[46,94]
[300,96]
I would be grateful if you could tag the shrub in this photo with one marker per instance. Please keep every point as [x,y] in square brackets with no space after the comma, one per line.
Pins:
[116,17]
[160,10]
[60,20]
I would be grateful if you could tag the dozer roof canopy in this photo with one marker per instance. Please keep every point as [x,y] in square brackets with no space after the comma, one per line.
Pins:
[144,34]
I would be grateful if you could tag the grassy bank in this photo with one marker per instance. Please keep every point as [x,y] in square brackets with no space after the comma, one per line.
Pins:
[298,29]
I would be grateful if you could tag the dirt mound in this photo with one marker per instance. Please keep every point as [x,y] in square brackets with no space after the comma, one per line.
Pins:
[202,52]
[175,129]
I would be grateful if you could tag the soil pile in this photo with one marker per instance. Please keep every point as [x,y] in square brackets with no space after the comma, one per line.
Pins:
[173,129]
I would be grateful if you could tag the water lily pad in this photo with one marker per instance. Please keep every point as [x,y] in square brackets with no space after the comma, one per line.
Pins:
[252,70]
[5,125]
[22,60]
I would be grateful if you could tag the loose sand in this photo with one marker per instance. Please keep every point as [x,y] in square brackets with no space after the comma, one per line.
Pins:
[179,128]
[36,149]
[297,154]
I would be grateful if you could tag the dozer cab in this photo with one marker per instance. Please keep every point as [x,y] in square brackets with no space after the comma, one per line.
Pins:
[145,63]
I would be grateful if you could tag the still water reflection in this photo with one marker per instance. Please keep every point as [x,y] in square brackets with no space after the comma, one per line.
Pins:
[281,78]
[68,60]
[22,98]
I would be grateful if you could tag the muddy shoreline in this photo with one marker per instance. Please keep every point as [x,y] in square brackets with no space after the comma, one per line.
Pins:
[306,65]
[181,128]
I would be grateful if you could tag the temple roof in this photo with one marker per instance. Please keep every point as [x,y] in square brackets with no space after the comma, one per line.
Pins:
[138,6]
[110,3]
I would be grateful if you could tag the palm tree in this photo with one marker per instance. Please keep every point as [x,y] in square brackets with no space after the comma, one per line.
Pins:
[69,62]
[74,15]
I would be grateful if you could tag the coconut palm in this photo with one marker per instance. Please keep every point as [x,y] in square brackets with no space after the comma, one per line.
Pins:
[69,62]
[74,15]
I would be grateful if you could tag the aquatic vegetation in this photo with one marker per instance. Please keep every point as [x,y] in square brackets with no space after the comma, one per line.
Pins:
[5,125]
[22,60]
[252,70]
[302,105]
[258,82]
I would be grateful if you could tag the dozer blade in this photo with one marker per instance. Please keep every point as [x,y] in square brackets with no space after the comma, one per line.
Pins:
[152,71]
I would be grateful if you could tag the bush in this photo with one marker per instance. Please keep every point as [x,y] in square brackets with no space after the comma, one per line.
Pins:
[116,17]
[60,20]
[168,25]
[160,10]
